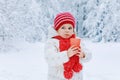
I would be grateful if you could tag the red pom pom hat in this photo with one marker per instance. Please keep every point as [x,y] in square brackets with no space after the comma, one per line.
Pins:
[63,18]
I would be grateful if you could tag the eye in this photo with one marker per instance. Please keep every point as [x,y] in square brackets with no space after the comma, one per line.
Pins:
[70,28]
[62,27]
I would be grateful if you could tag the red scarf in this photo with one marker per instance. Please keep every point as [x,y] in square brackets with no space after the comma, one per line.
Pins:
[73,63]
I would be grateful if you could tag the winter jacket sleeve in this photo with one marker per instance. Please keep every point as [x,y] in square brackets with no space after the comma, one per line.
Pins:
[52,54]
[88,54]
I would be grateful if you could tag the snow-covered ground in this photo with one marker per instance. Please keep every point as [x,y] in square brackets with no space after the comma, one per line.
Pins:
[105,62]
[28,62]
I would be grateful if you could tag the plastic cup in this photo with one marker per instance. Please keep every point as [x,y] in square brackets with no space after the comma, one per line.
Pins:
[75,42]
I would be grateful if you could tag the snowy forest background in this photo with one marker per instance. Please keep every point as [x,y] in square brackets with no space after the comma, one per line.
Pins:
[23,31]
[27,20]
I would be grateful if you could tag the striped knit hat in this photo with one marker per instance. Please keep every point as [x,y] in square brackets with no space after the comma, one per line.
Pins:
[63,18]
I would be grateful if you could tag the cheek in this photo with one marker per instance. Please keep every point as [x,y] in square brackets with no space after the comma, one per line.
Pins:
[72,32]
[60,33]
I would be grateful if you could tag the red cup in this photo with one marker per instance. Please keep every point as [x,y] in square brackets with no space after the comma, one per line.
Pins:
[75,42]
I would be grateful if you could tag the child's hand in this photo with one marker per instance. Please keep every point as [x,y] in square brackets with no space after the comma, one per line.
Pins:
[81,54]
[73,50]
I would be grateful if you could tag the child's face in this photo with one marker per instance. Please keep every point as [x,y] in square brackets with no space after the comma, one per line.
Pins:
[66,30]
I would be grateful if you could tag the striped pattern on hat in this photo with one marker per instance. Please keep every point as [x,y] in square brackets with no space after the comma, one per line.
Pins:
[63,18]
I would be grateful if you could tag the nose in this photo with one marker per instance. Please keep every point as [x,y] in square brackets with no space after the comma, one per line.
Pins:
[67,30]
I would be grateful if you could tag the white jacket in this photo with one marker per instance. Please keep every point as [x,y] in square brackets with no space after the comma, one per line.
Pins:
[55,59]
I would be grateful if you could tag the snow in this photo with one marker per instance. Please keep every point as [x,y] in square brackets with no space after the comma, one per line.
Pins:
[105,62]
[28,20]
[28,62]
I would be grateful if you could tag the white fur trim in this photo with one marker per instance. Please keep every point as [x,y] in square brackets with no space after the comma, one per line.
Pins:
[51,32]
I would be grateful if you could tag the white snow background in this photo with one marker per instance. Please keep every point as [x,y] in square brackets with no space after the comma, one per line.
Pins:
[28,63]
[28,20]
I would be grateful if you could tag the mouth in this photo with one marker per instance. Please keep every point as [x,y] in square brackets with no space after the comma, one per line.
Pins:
[66,34]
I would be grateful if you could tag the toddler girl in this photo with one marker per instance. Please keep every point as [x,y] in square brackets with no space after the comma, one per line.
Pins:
[63,57]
